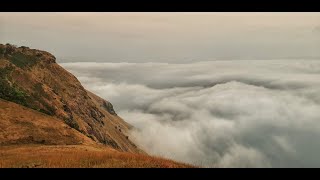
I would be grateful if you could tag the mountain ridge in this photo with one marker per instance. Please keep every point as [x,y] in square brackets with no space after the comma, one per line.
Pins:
[33,79]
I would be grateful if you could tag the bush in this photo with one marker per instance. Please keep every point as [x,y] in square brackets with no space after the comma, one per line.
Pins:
[91,137]
[8,92]
[24,47]
[11,45]
[2,50]
[72,123]
[9,49]
[21,60]
[43,111]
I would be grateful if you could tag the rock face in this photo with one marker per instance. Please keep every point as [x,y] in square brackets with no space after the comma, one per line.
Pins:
[109,107]
[32,78]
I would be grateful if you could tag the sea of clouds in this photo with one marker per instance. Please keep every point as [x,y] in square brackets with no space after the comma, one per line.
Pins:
[245,113]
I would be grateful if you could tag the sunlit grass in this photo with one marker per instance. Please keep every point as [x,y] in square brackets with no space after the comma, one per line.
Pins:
[78,156]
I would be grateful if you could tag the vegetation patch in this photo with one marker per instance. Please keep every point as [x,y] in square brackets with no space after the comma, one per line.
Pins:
[72,123]
[2,51]
[49,110]
[21,60]
[44,111]
[10,92]
[40,95]
[40,91]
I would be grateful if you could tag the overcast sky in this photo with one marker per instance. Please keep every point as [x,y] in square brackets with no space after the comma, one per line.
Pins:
[165,37]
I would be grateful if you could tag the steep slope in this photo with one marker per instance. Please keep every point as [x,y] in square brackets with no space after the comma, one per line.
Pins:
[21,125]
[32,78]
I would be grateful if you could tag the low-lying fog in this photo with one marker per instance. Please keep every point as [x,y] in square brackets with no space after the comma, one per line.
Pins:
[263,113]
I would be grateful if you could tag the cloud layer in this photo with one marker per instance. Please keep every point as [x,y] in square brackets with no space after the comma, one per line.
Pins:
[218,113]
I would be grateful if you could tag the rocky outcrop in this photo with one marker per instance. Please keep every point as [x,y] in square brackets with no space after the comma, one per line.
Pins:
[109,107]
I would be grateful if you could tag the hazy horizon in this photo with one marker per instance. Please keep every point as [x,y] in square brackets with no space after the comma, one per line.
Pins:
[165,37]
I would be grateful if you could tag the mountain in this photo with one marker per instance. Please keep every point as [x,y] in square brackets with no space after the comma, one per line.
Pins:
[33,79]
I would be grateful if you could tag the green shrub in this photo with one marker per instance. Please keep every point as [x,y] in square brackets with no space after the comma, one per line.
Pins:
[43,111]
[2,50]
[21,60]
[90,136]
[10,92]
[50,110]
[72,123]
[38,97]
[40,91]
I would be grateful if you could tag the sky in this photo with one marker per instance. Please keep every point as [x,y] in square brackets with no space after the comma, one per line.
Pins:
[165,37]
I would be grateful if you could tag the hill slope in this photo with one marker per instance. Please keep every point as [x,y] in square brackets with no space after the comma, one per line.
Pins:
[24,131]
[32,78]
[21,125]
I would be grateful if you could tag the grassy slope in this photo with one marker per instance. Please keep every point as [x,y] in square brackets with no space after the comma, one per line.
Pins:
[78,156]
[29,138]
[21,125]
[33,79]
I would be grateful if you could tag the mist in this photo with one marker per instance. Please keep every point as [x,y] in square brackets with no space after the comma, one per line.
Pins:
[246,113]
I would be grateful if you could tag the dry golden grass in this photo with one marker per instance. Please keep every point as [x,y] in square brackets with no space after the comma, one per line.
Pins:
[21,125]
[32,139]
[78,156]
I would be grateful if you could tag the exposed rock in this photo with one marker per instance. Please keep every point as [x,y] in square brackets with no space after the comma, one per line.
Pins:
[109,107]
